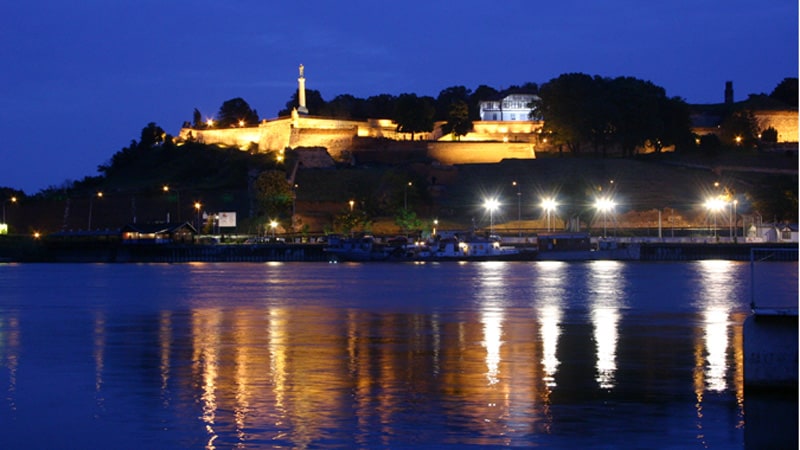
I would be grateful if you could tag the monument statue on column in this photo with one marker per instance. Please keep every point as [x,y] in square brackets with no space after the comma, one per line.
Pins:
[301,93]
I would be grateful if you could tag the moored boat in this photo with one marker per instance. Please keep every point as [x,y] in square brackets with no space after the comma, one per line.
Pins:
[472,248]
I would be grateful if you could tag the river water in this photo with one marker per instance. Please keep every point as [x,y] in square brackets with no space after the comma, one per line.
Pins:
[314,355]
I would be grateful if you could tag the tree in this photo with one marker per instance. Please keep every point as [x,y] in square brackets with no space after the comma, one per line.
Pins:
[447,97]
[407,220]
[786,91]
[273,193]
[769,135]
[236,112]
[739,128]
[414,114]
[197,119]
[625,113]
[458,121]
[566,105]
[152,135]
[481,93]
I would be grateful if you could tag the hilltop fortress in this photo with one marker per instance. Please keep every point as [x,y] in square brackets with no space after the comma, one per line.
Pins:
[490,141]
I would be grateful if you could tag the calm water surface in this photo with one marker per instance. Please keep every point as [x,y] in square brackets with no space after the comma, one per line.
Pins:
[542,354]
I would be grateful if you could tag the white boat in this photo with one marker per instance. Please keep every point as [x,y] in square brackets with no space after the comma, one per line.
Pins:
[472,248]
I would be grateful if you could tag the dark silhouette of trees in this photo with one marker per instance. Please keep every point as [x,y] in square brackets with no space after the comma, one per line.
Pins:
[414,114]
[740,128]
[197,119]
[458,121]
[786,91]
[481,93]
[447,97]
[235,113]
[622,113]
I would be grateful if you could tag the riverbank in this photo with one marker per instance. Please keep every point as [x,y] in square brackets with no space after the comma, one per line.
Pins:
[38,252]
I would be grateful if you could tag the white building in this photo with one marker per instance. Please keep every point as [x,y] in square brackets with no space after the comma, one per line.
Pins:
[511,107]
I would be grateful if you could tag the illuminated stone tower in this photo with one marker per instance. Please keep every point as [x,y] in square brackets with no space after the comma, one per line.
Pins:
[301,93]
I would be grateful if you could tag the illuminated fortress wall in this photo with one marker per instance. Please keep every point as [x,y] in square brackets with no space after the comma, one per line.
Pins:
[479,152]
[785,122]
[488,142]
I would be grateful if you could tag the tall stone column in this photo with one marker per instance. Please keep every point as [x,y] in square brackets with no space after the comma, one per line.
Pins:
[301,93]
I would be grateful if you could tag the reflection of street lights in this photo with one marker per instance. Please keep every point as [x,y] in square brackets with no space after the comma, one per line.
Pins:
[491,204]
[12,200]
[99,195]
[549,204]
[604,205]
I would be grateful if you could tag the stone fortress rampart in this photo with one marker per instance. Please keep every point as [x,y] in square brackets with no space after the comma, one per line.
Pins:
[490,141]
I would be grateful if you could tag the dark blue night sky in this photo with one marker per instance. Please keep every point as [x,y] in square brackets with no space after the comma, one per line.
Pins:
[79,80]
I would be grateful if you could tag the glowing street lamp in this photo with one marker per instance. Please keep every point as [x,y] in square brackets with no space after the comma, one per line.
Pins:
[273,224]
[491,204]
[352,203]
[12,200]
[166,189]
[714,206]
[549,205]
[604,205]
[99,195]
[405,195]
[435,224]
[197,207]
[519,206]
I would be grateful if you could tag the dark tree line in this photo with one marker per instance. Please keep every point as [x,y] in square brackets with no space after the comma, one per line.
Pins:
[621,113]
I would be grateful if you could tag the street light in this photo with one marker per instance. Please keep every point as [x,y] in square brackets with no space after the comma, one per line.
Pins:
[99,195]
[519,206]
[197,207]
[714,206]
[491,204]
[12,200]
[604,205]
[166,188]
[435,223]
[549,204]
[273,225]
[405,195]
[352,203]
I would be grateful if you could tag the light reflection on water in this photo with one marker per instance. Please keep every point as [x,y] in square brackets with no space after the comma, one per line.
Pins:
[548,354]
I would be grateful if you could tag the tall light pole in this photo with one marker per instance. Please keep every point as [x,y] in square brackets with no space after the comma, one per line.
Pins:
[604,205]
[549,204]
[491,204]
[12,200]
[166,188]
[714,205]
[519,206]
[197,207]
[273,225]
[99,195]
[405,195]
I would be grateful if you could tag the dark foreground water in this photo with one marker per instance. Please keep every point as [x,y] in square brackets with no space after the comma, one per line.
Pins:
[541,354]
